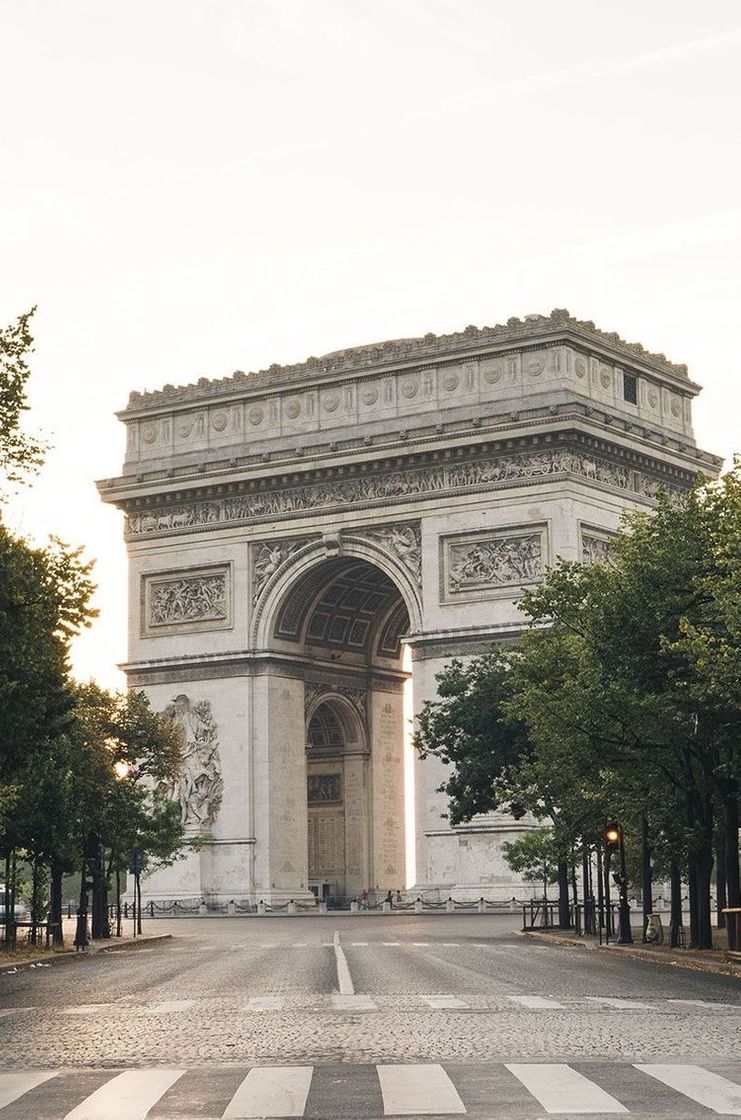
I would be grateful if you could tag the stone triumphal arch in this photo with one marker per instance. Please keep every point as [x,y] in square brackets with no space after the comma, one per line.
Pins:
[308,546]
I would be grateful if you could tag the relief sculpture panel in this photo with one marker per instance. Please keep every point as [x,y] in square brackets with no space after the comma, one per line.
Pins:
[480,565]
[176,602]
[199,787]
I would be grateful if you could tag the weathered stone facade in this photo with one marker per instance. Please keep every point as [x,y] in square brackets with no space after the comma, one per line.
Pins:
[290,531]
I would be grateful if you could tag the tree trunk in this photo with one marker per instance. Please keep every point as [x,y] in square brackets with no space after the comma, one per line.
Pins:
[692,891]
[55,904]
[730,838]
[703,874]
[35,899]
[721,897]
[600,890]
[586,892]
[646,875]
[9,915]
[564,914]
[675,916]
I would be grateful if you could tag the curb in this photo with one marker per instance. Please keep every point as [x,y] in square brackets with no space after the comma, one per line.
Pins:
[693,964]
[61,955]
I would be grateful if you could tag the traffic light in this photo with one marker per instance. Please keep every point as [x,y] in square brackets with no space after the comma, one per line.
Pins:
[612,834]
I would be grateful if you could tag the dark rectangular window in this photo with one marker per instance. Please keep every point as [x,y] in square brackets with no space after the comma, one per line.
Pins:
[630,388]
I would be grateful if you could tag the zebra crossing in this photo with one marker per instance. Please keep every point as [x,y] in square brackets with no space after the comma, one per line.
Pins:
[420,1001]
[499,1091]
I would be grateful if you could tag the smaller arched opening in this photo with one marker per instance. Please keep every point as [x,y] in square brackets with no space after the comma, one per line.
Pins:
[337,800]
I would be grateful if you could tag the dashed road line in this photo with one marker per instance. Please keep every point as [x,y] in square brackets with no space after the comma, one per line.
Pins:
[344,978]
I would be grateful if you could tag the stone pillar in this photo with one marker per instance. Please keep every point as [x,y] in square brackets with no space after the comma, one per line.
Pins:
[281,817]
[388,868]
[357,873]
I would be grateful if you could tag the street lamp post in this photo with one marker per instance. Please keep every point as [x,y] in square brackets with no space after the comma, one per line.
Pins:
[614,839]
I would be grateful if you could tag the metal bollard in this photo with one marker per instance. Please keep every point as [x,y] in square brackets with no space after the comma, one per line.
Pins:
[261,907]
[323,908]
[231,907]
[387,907]
[449,906]
[354,907]
[481,906]
[418,905]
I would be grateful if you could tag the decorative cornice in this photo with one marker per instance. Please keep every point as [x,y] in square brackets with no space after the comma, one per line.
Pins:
[430,347]
[473,469]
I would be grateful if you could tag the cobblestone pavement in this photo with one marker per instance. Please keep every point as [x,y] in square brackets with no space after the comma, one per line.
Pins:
[328,991]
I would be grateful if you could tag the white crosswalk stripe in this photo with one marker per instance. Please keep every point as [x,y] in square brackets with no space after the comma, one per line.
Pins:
[620,1004]
[353,1002]
[559,1088]
[708,1089]
[269,1091]
[129,1096]
[403,1089]
[537,1002]
[265,1003]
[14,1085]
[442,1001]
[169,1006]
[418,1089]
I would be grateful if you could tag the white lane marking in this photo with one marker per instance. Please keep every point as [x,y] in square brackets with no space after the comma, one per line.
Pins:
[271,1091]
[353,1002]
[622,1004]
[84,1008]
[14,1085]
[418,1090]
[169,1005]
[421,944]
[390,944]
[451,944]
[299,944]
[327,944]
[535,1001]
[344,979]
[265,1003]
[442,1001]
[128,1096]
[268,945]
[12,1011]
[559,1088]
[706,1003]
[709,1089]
[357,944]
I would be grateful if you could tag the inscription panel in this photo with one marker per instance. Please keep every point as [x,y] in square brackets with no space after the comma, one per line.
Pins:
[177,602]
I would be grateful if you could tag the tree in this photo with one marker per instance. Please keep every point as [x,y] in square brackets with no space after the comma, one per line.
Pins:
[21,454]
[534,856]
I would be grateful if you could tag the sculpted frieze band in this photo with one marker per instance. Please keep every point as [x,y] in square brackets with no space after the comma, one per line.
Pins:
[491,471]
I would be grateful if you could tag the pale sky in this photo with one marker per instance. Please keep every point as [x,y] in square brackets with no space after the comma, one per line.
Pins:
[190,188]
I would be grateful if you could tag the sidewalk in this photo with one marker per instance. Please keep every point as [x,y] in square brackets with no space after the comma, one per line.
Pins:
[700,960]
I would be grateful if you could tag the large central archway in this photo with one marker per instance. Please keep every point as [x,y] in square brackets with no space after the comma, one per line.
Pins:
[334,724]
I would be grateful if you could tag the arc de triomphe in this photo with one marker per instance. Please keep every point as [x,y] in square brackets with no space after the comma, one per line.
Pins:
[294,535]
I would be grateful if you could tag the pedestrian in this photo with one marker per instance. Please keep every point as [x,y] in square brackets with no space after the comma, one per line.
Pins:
[364,898]
[399,899]
[390,899]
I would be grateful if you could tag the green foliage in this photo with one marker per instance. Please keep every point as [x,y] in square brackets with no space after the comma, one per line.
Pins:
[469,728]
[21,454]
[534,856]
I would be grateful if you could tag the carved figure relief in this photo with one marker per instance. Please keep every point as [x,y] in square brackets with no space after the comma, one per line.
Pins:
[200,786]
[311,496]
[404,542]
[594,550]
[324,789]
[494,562]
[188,599]
[358,697]
[267,558]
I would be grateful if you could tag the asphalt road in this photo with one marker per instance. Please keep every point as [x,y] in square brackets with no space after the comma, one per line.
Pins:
[364,1016]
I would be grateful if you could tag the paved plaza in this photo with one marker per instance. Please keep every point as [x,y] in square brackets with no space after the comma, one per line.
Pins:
[364,1016]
